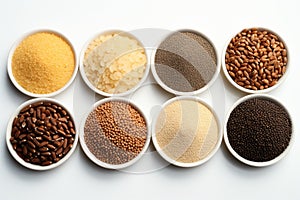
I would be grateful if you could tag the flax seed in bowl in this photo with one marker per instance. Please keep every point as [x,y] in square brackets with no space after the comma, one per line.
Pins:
[255,60]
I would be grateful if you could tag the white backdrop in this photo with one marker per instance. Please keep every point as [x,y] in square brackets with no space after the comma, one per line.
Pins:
[222,177]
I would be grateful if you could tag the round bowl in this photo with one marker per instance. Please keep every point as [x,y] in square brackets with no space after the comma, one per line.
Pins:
[92,155]
[239,157]
[247,90]
[65,156]
[91,85]
[186,93]
[208,155]
[23,90]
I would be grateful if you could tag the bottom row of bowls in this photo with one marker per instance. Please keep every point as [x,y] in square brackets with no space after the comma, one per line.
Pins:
[115,133]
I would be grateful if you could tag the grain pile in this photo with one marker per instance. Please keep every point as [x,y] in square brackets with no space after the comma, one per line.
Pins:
[43,63]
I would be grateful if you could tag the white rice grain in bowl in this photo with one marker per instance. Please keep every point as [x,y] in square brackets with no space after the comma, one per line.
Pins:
[114,63]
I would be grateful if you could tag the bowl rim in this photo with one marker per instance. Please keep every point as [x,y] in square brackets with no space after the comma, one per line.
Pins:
[249,91]
[180,93]
[94,88]
[235,154]
[17,157]
[17,43]
[181,164]
[91,156]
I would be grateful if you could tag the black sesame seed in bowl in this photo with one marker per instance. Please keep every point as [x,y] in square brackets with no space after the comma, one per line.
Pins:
[258,130]
[41,134]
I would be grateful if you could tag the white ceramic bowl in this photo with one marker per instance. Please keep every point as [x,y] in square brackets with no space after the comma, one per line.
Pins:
[91,156]
[171,160]
[250,91]
[14,153]
[235,154]
[94,88]
[14,81]
[180,93]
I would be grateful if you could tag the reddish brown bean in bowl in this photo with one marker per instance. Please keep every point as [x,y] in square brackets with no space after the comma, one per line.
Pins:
[41,134]
[255,60]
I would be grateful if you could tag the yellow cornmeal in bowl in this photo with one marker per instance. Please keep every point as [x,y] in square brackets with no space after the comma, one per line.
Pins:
[43,63]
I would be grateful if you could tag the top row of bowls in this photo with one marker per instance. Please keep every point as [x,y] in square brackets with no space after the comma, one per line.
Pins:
[43,63]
